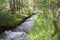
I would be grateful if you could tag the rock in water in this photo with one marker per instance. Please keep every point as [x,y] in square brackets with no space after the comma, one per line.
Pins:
[8,35]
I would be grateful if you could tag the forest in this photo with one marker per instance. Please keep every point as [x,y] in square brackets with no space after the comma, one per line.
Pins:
[39,19]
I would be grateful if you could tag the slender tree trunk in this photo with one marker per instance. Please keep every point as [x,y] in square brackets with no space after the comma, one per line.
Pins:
[18,6]
[12,7]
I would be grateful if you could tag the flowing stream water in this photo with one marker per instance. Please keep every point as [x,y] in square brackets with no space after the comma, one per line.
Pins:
[20,32]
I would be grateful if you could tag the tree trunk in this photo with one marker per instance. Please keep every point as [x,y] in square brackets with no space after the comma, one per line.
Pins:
[12,7]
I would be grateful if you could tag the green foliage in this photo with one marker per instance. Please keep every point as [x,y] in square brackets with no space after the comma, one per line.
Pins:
[8,20]
[20,16]
[25,8]
[43,27]
[58,3]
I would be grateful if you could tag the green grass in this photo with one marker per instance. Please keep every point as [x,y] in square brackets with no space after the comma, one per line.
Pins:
[43,28]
